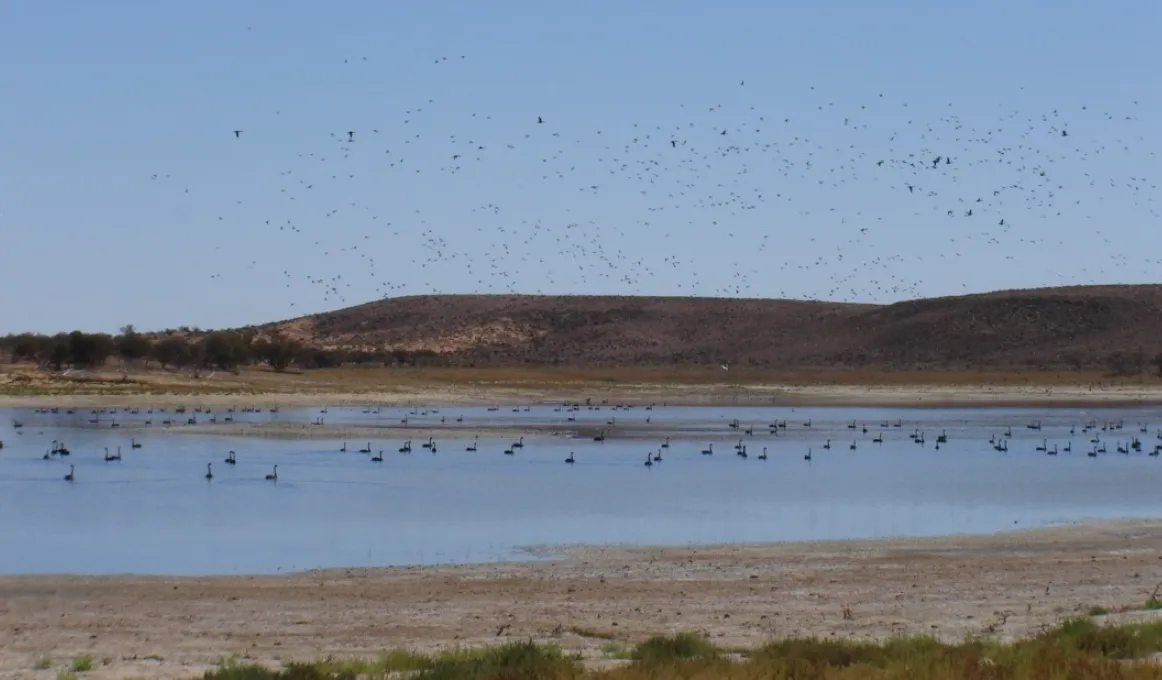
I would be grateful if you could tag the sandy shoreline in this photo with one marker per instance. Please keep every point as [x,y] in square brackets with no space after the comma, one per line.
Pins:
[673,394]
[1004,585]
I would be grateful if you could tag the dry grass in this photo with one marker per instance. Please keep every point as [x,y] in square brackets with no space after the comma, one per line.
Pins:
[597,602]
[24,379]
[28,386]
[1077,649]
[537,377]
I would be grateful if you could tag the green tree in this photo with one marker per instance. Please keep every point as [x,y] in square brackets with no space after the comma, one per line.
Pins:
[1073,360]
[225,350]
[218,350]
[1125,363]
[197,354]
[131,345]
[313,357]
[78,347]
[89,349]
[56,351]
[28,347]
[242,347]
[172,351]
[101,347]
[278,352]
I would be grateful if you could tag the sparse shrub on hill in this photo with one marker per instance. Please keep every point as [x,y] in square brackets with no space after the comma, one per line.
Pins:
[1110,328]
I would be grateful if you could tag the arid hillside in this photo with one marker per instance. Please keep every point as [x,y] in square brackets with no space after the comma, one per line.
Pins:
[1067,328]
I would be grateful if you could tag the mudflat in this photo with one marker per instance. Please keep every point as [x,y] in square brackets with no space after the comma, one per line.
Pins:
[29,386]
[588,600]
[224,394]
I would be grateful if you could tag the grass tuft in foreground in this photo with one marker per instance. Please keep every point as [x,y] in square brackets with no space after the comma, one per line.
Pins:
[515,660]
[1078,649]
[83,663]
[681,647]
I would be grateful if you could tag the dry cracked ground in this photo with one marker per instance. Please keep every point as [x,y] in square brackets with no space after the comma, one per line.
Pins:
[588,600]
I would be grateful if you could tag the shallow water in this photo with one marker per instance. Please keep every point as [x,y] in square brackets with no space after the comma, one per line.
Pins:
[153,512]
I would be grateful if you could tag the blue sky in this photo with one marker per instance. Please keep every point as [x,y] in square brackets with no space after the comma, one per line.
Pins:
[126,198]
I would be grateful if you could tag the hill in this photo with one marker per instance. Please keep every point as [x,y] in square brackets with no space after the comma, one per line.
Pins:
[1048,328]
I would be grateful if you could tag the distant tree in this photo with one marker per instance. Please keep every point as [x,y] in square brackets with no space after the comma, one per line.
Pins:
[225,350]
[1125,363]
[131,345]
[1037,363]
[314,357]
[1158,363]
[220,350]
[101,347]
[172,351]
[278,352]
[78,347]
[1073,360]
[89,349]
[56,351]
[27,347]
[281,355]
[1135,362]
[197,355]
[241,348]
[243,342]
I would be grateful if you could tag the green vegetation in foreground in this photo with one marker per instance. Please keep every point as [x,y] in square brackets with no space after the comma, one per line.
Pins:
[1078,649]
[83,663]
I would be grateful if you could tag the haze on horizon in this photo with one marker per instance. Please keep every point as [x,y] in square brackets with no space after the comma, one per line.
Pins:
[685,149]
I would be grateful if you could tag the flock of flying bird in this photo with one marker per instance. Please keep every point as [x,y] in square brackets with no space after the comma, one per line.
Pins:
[815,198]
[1092,431]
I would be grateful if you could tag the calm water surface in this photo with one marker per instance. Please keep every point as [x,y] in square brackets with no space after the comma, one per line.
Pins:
[153,512]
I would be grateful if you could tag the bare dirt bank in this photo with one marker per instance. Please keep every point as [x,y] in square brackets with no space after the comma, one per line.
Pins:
[1006,585]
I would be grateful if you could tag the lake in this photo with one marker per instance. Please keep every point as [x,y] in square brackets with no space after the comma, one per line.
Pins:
[153,511]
